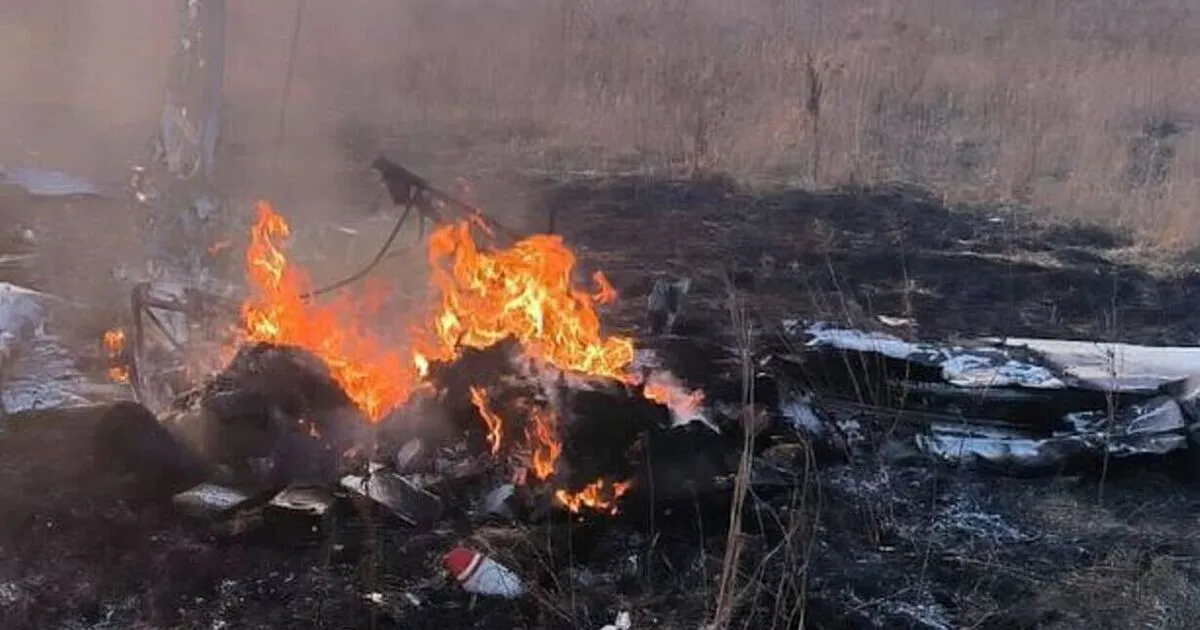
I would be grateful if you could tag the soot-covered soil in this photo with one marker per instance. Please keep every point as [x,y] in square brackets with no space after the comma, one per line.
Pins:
[853,255]
[858,542]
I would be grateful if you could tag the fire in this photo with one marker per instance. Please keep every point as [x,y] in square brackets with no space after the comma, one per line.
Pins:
[494,423]
[605,293]
[375,375]
[674,397]
[481,297]
[114,343]
[542,435]
[598,495]
[526,292]
[685,405]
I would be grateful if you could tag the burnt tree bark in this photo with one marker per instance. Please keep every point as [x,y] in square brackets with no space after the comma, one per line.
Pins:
[172,186]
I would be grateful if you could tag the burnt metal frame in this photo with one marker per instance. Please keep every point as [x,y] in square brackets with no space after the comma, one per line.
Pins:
[195,306]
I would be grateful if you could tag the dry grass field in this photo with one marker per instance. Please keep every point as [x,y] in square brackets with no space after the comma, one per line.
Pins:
[1085,109]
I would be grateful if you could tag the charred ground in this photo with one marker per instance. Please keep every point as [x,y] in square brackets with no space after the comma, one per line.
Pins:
[855,540]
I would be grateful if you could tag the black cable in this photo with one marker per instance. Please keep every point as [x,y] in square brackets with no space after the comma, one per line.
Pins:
[288,77]
[362,273]
[413,191]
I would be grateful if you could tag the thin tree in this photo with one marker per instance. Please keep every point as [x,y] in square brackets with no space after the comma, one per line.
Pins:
[173,184]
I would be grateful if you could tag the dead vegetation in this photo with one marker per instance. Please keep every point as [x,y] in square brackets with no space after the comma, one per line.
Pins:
[1084,109]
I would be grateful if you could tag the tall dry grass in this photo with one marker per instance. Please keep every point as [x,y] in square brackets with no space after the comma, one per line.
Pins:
[1087,108]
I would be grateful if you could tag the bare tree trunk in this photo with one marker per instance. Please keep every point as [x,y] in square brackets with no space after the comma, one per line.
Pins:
[173,184]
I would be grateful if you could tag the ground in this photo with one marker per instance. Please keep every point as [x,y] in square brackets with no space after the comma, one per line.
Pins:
[859,543]
[1082,110]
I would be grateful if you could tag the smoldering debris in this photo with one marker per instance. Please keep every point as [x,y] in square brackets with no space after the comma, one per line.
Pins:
[873,458]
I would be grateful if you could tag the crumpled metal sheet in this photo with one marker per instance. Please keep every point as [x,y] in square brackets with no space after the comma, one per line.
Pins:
[37,371]
[1154,428]
[44,376]
[961,366]
[1113,366]
[22,314]
[1159,411]
[48,183]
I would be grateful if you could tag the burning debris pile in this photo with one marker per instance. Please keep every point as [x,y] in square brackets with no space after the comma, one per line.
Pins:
[498,431]
[510,380]
[345,449]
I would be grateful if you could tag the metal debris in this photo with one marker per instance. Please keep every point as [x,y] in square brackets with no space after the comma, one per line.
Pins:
[47,183]
[412,504]
[210,501]
[300,513]
[497,501]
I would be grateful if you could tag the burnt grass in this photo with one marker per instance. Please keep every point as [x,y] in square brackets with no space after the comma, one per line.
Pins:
[854,540]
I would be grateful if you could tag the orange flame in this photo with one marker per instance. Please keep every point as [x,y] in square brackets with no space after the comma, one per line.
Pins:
[597,496]
[482,297]
[375,376]
[493,421]
[542,435]
[114,344]
[684,404]
[605,293]
[524,292]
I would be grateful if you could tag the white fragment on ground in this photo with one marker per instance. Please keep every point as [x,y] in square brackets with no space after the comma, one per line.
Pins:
[11,593]
[799,413]
[209,498]
[895,322]
[16,259]
[22,316]
[963,517]
[624,621]
[931,616]
[1113,366]
[44,376]
[965,367]
[951,444]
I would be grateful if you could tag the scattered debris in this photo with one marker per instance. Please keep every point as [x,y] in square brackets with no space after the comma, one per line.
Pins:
[301,513]
[896,322]
[480,575]
[979,366]
[497,501]
[46,183]
[403,498]
[408,454]
[623,622]
[579,466]
[228,511]
[211,501]
[665,303]
[1111,366]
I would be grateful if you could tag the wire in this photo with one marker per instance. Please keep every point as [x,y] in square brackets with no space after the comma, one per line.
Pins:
[288,77]
[281,131]
[362,273]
